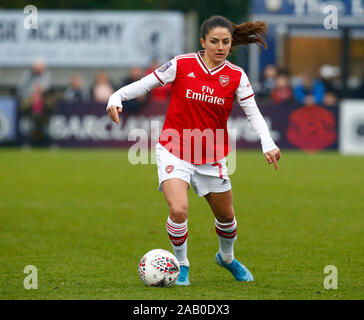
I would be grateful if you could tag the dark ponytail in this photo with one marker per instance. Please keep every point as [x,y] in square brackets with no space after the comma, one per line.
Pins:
[242,34]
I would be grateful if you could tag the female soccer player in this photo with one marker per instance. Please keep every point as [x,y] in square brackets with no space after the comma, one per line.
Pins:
[194,139]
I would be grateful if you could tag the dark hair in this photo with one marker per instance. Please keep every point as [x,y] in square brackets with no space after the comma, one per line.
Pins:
[242,34]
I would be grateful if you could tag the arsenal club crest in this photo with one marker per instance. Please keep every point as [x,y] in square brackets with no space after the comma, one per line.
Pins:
[224,80]
[169,169]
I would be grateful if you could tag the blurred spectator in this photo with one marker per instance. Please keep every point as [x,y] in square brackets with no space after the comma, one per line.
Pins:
[330,99]
[135,73]
[76,92]
[38,76]
[282,91]
[102,88]
[309,91]
[159,94]
[31,90]
[328,75]
[268,80]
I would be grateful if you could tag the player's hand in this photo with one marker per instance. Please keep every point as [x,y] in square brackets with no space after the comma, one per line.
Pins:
[113,112]
[273,156]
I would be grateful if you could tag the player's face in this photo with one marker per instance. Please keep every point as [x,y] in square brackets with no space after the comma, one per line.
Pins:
[217,45]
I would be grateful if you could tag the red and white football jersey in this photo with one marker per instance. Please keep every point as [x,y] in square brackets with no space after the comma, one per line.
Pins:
[195,127]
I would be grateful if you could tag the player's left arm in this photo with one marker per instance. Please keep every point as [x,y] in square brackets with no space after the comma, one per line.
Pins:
[245,98]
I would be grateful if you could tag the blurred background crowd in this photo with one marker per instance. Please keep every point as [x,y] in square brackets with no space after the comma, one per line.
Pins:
[322,88]
[35,86]
[276,86]
[37,96]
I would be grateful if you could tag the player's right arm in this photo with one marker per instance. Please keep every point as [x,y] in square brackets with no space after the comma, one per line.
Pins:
[160,77]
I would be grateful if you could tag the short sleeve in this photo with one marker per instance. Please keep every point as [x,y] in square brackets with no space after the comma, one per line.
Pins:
[245,90]
[167,72]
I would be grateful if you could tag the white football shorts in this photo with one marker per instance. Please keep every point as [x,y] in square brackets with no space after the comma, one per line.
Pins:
[205,178]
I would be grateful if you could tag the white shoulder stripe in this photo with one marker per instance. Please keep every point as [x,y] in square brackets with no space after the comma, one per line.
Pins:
[183,56]
[234,67]
[191,57]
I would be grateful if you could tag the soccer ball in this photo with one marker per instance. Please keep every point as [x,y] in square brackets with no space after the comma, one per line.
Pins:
[158,268]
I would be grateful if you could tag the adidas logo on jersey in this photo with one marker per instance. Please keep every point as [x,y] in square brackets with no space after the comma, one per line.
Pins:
[191,75]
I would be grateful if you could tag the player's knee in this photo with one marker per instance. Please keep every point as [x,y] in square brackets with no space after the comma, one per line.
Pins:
[178,212]
[225,217]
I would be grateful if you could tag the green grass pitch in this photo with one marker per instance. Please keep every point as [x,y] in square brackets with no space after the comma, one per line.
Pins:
[84,218]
